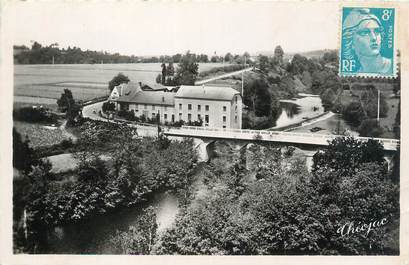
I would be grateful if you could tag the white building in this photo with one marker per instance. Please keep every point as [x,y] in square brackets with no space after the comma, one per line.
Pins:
[219,107]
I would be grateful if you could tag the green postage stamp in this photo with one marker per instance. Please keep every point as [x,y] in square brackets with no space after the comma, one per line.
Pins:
[368,42]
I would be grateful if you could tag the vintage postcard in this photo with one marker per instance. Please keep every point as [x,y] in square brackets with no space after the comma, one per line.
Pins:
[167,132]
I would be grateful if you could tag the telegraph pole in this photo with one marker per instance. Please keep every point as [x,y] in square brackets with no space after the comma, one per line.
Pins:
[242,79]
[379,97]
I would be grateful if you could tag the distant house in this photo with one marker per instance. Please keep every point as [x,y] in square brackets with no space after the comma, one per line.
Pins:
[219,107]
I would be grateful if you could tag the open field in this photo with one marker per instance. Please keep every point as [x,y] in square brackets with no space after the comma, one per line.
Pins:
[39,135]
[43,84]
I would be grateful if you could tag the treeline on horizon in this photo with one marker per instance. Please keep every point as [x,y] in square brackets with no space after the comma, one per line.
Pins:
[39,54]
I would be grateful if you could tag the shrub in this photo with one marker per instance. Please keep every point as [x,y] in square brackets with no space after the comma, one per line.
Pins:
[370,128]
[128,115]
[34,115]
[353,113]
[108,106]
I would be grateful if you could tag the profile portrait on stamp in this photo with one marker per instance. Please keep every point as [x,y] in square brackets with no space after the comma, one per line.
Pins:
[367,43]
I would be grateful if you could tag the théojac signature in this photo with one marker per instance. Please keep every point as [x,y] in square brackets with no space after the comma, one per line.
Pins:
[351,228]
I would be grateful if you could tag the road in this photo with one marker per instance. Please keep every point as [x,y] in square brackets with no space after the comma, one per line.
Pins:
[201,82]
[91,112]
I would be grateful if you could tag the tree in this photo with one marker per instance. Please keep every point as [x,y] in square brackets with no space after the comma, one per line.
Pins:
[263,99]
[278,55]
[139,239]
[117,80]
[370,128]
[187,70]
[170,69]
[369,101]
[214,59]
[108,106]
[354,113]
[228,57]
[263,63]
[73,114]
[23,155]
[344,155]
[164,72]
[65,101]
[289,211]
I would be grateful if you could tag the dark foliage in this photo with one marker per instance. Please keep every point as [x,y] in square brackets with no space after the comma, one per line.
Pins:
[34,115]
[117,80]
[108,106]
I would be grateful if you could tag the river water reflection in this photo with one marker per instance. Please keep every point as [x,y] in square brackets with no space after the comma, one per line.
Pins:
[299,109]
[93,236]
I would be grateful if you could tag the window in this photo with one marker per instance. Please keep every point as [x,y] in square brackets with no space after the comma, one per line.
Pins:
[235,118]
[173,117]
[153,107]
[235,98]
[189,117]
[199,107]
[207,118]
[224,126]
[189,106]
[165,116]
[224,118]
[145,106]
[180,106]
[207,107]
[180,116]
[224,108]
[235,107]
[199,117]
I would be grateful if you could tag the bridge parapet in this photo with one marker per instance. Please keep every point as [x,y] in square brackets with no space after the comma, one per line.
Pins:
[272,136]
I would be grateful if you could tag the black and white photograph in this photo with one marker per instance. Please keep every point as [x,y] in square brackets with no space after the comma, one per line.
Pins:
[205,128]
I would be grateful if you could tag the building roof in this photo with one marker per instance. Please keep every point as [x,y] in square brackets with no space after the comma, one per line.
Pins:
[207,92]
[153,86]
[149,97]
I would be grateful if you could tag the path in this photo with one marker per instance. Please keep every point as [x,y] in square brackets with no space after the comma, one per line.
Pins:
[91,111]
[67,133]
[201,82]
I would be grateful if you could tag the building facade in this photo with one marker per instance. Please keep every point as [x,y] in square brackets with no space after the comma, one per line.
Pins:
[218,107]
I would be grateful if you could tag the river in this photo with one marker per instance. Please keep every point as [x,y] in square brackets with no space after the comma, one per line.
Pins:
[93,236]
[298,109]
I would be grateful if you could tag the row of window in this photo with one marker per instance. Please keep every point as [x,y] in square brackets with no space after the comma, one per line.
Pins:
[199,107]
[189,107]
[189,117]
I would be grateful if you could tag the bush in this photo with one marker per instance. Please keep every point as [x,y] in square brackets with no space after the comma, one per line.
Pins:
[117,80]
[353,113]
[370,128]
[34,115]
[128,115]
[108,106]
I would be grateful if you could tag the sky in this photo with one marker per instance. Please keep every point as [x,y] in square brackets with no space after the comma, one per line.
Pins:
[158,28]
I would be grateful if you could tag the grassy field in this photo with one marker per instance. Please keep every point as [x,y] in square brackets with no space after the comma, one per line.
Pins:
[43,84]
[39,135]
